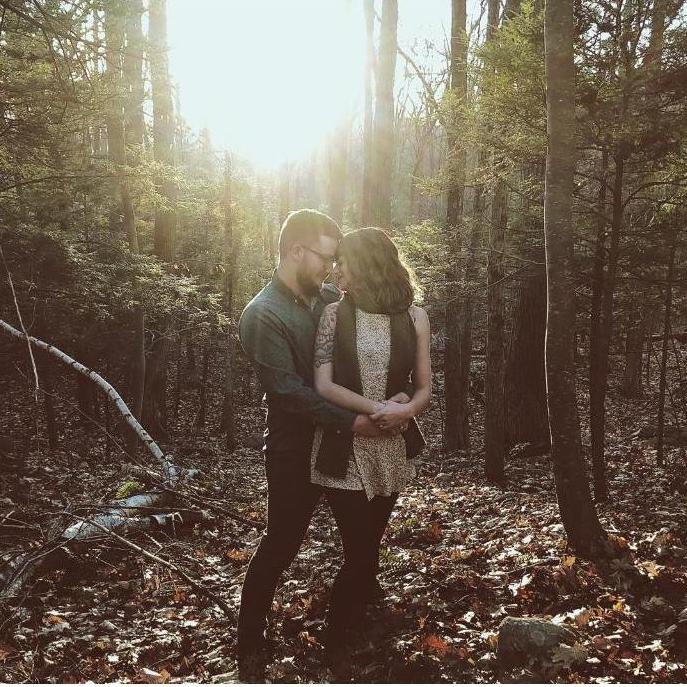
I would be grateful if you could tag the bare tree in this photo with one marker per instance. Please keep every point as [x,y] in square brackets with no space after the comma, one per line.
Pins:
[155,399]
[578,513]
[457,354]
[383,124]
[495,407]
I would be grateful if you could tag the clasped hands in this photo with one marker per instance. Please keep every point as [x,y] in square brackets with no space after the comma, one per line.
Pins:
[390,417]
[393,415]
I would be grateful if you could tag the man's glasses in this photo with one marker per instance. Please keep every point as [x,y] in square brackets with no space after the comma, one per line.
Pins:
[331,259]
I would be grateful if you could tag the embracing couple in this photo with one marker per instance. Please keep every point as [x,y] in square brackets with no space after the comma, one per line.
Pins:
[345,371]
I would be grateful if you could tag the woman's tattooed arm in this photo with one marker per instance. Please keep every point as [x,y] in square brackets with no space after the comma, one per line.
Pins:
[324,341]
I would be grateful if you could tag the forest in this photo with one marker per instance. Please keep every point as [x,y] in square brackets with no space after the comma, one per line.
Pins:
[532,168]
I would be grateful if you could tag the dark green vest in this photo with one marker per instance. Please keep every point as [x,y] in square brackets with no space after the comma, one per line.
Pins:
[337,445]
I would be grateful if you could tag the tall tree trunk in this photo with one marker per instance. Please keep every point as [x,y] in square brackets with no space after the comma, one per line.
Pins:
[495,416]
[133,76]
[660,459]
[383,149]
[600,340]
[177,379]
[596,399]
[230,249]
[338,165]
[525,381]
[465,316]
[155,399]
[637,328]
[578,513]
[124,218]
[368,122]
[163,130]
[456,370]
[495,411]
[115,20]
[203,390]
[47,392]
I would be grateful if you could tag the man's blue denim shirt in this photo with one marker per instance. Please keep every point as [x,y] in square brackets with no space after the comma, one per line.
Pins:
[277,331]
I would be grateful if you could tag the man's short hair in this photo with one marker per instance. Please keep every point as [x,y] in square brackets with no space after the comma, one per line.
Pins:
[306,226]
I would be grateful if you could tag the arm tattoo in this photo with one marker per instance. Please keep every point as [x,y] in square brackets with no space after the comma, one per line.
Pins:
[324,341]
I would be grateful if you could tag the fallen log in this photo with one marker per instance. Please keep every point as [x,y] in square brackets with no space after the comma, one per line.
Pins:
[138,515]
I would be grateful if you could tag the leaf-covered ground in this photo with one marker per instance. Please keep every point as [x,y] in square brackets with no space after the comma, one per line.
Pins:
[459,556]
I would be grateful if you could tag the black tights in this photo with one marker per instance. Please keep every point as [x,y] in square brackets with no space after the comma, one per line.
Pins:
[361,524]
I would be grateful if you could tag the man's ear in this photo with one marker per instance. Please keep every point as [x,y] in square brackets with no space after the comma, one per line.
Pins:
[296,252]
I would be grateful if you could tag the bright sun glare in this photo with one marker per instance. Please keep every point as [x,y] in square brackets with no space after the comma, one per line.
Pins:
[269,78]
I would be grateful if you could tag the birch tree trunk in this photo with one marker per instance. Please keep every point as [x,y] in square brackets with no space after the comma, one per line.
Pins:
[578,513]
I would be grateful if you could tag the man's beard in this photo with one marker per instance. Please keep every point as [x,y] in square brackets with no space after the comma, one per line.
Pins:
[307,284]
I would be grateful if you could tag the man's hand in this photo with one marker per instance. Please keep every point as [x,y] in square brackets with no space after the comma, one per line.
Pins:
[391,416]
[400,397]
[364,426]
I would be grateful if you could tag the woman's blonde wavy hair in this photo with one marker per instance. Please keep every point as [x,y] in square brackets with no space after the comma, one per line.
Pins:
[381,282]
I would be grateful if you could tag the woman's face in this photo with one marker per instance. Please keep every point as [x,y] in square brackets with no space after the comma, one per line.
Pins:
[342,274]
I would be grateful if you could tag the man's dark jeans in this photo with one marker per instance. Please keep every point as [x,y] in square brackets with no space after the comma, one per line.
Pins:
[361,524]
[291,502]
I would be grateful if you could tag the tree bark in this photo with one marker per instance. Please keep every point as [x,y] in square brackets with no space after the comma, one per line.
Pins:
[383,149]
[203,391]
[525,382]
[133,76]
[637,328]
[601,340]
[338,165]
[117,15]
[163,131]
[458,308]
[125,218]
[495,412]
[155,398]
[578,513]
[596,399]
[494,417]
[48,404]
[660,422]
[368,122]
[230,261]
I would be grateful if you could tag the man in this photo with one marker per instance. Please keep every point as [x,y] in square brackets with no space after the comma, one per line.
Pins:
[277,331]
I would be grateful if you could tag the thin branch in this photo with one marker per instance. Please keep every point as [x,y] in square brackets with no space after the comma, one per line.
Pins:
[167,564]
[21,323]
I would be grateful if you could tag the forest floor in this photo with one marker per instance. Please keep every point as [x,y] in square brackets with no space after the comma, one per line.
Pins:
[459,555]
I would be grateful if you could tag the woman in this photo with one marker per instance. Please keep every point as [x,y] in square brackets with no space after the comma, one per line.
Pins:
[368,346]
